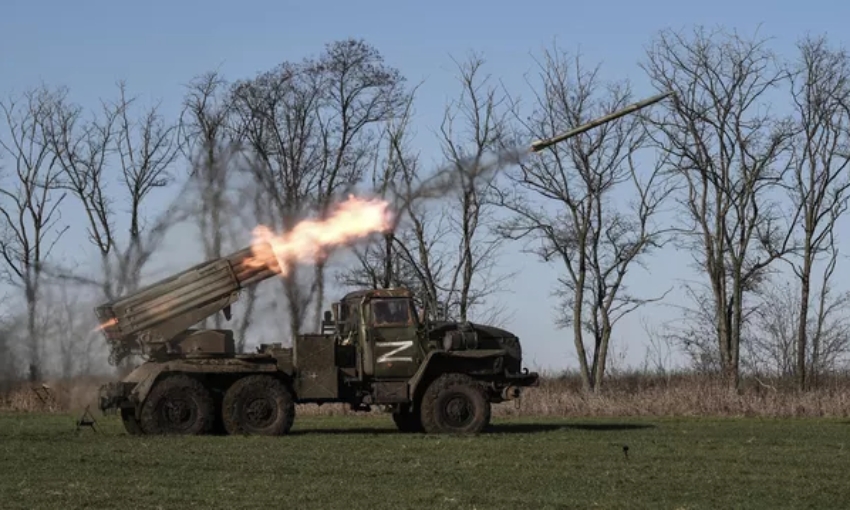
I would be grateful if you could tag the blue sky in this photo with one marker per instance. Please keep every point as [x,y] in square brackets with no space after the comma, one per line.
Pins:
[159,46]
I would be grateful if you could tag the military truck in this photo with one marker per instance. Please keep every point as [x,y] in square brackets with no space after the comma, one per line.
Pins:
[375,349]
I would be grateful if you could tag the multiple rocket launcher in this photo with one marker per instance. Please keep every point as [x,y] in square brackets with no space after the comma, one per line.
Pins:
[162,310]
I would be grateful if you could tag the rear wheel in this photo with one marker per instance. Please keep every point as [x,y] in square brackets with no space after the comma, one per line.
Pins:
[408,420]
[258,405]
[455,404]
[177,404]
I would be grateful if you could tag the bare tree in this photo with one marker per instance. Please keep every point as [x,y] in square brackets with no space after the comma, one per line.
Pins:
[212,151]
[659,352]
[7,354]
[224,204]
[772,340]
[135,150]
[731,153]
[411,255]
[29,207]
[147,146]
[380,265]
[419,240]
[820,91]
[474,126]
[440,247]
[695,330]
[217,197]
[312,127]
[277,121]
[71,328]
[572,200]
[831,331]
[362,92]
[87,151]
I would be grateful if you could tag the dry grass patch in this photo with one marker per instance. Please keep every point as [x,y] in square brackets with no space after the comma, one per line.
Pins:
[624,395]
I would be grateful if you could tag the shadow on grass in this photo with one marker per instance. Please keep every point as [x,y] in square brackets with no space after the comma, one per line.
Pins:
[531,428]
[342,431]
[500,428]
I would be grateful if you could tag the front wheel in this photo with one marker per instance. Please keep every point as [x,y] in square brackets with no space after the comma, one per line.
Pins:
[455,404]
[258,405]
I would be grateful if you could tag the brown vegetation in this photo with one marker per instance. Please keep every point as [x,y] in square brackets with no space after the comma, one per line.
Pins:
[684,394]
[61,395]
[634,394]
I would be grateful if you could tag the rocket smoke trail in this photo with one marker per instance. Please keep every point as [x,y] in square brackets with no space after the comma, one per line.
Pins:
[449,176]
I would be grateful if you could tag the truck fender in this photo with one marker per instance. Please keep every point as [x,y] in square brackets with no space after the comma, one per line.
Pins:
[143,387]
[438,362]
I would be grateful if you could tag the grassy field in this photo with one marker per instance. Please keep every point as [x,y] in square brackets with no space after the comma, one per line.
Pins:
[361,462]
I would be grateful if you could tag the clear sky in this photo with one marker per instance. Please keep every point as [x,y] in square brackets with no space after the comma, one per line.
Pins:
[158,46]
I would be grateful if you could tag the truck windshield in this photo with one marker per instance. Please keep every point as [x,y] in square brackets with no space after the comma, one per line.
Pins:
[391,312]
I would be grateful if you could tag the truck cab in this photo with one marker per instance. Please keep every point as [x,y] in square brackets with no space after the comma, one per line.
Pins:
[397,355]
[384,326]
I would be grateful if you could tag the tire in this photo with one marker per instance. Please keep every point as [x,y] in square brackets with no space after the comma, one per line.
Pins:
[454,404]
[258,405]
[131,424]
[177,404]
[408,420]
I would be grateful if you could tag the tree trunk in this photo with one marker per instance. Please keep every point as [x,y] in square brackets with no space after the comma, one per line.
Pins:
[737,319]
[32,333]
[602,357]
[586,381]
[802,338]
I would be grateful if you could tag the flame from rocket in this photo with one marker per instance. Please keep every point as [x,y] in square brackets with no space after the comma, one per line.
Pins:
[350,221]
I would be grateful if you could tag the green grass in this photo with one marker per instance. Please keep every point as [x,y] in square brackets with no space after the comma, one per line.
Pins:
[361,462]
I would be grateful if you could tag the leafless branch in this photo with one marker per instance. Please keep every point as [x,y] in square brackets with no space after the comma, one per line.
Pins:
[29,205]
[564,200]
[819,183]
[721,141]
[311,127]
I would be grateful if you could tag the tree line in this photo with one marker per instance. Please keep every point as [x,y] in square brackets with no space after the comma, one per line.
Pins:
[744,171]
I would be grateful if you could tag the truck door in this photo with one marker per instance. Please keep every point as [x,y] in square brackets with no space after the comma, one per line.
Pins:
[393,330]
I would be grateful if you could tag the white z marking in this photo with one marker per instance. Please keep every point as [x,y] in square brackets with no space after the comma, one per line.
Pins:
[389,357]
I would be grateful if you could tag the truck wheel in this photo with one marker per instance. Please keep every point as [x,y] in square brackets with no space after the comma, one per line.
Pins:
[408,420]
[177,405]
[131,424]
[454,404]
[258,405]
